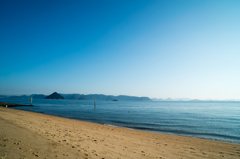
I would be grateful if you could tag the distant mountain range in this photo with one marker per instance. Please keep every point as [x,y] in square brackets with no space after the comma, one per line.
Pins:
[104,97]
[170,99]
[108,97]
[188,99]
[35,96]
[55,95]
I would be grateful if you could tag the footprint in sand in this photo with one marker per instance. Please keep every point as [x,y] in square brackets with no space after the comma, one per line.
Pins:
[35,154]
[3,145]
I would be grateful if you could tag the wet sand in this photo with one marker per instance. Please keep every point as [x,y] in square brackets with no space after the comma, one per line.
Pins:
[32,135]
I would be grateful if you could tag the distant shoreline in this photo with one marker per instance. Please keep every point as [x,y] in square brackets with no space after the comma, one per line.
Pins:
[12,105]
[56,95]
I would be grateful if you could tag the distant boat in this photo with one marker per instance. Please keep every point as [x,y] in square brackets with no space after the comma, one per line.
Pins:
[115,100]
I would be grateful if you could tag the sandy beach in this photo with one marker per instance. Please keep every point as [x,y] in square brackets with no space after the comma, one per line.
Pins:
[32,135]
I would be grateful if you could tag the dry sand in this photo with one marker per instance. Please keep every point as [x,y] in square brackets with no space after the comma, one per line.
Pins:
[32,135]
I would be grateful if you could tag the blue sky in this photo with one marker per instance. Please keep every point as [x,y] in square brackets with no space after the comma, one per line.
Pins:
[159,49]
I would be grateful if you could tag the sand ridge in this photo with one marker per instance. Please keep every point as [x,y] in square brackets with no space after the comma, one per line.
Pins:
[66,138]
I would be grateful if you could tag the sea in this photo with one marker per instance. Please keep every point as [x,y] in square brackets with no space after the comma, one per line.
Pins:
[211,120]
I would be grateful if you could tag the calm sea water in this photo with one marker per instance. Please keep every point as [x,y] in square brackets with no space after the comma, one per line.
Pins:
[211,120]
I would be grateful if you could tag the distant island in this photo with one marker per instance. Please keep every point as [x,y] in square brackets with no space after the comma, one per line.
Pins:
[191,100]
[105,97]
[35,96]
[55,95]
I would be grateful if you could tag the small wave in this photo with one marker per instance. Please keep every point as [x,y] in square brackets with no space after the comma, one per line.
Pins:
[219,140]
[117,126]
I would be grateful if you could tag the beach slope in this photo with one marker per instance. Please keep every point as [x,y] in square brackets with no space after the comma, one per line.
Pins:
[32,135]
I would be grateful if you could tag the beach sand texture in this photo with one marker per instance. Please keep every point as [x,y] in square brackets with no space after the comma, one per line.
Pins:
[32,135]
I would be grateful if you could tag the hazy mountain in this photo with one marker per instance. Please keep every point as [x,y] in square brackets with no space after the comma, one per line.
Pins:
[38,96]
[132,98]
[183,99]
[71,96]
[104,97]
[168,99]
[157,99]
[55,95]
[20,97]
[108,97]
[35,96]
[195,100]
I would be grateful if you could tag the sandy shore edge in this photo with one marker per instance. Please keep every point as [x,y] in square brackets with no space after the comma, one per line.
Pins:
[66,138]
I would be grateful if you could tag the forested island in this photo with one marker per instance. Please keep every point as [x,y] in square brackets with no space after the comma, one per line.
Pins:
[56,95]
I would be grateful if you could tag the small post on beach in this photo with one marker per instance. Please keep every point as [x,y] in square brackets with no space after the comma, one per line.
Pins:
[31,100]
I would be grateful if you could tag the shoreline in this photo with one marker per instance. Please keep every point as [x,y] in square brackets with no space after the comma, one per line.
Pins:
[100,141]
[202,138]
[144,130]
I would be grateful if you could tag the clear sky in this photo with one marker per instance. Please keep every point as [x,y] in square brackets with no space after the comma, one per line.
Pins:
[159,49]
